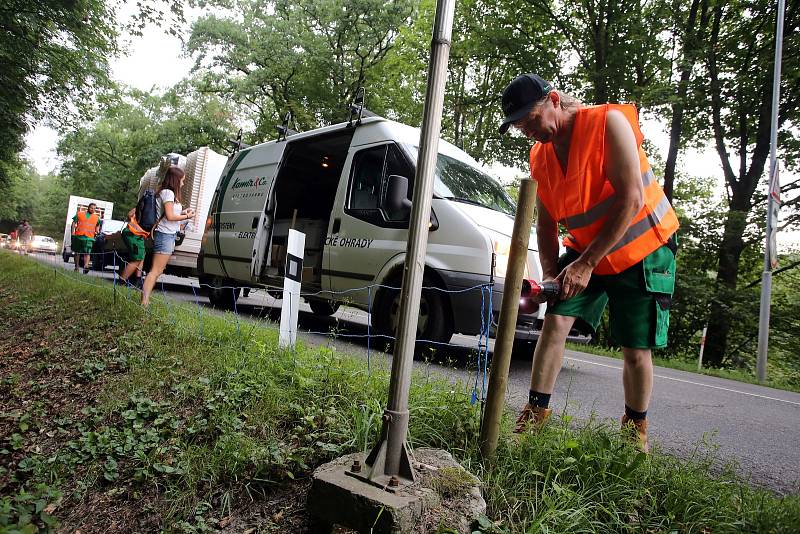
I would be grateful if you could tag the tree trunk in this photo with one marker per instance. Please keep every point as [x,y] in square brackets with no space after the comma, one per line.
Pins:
[742,188]
[720,316]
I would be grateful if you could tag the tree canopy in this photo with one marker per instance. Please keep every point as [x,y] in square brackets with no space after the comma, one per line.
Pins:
[55,61]
[106,158]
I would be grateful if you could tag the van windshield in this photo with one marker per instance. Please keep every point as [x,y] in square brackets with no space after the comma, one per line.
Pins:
[458,181]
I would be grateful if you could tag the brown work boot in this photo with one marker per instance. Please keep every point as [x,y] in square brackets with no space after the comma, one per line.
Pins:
[636,431]
[531,417]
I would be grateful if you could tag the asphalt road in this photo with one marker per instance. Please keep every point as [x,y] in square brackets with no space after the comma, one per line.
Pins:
[756,427]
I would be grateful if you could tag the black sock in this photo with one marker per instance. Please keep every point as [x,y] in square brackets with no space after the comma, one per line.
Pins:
[633,414]
[541,400]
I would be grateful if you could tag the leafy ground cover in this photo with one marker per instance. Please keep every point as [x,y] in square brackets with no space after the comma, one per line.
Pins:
[114,419]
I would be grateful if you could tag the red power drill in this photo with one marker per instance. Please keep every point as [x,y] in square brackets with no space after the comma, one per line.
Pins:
[534,293]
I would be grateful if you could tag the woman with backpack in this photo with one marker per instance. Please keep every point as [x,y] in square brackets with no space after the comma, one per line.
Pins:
[171,214]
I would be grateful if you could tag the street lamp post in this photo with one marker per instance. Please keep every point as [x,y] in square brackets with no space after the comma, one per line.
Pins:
[390,462]
[773,203]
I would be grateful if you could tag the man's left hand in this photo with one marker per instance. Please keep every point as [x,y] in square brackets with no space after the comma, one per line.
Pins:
[574,279]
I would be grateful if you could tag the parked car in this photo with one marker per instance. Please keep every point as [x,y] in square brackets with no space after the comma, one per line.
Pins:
[5,241]
[42,243]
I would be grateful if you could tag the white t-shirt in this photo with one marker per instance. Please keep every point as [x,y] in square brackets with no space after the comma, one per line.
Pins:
[165,226]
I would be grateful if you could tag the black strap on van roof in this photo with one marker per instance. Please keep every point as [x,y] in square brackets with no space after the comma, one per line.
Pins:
[357,108]
[237,144]
[283,130]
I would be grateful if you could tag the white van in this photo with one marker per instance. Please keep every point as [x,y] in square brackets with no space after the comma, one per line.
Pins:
[347,188]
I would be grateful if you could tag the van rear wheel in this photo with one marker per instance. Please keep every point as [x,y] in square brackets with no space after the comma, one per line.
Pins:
[435,322]
[220,291]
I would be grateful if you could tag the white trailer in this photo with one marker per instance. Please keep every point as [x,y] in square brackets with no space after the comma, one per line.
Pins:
[203,168]
[104,209]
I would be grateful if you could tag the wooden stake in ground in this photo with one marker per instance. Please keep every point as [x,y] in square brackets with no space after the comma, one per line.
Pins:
[507,323]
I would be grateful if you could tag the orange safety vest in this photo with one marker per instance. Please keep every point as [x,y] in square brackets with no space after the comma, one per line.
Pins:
[86,224]
[135,229]
[580,201]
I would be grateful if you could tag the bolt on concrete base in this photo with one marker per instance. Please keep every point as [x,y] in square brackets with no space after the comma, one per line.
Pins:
[445,494]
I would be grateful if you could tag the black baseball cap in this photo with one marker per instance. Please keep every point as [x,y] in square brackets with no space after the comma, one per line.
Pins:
[519,97]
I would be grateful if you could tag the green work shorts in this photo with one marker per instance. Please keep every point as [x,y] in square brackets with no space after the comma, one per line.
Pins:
[135,244]
[639,299]
[81,244]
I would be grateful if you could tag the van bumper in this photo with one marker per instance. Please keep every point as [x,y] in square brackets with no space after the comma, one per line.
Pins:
[467,304]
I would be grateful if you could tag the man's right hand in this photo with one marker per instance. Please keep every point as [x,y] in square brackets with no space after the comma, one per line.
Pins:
[574,279]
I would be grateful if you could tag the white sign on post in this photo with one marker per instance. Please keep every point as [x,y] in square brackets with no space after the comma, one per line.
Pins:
[774,212]
[291,288]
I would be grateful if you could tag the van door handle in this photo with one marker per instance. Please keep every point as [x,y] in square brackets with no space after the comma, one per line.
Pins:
[337,224]
[255,222]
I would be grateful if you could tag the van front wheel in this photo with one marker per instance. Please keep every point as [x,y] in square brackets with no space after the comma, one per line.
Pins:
[434,323]
[220,291]
[324,308]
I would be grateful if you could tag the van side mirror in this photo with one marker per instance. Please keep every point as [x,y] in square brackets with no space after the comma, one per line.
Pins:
[397,193]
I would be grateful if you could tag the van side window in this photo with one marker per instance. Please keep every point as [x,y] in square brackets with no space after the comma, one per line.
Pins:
[369,179]
[365,190]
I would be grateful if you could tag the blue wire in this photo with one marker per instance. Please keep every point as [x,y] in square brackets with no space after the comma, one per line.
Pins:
[486,346]
[474,398]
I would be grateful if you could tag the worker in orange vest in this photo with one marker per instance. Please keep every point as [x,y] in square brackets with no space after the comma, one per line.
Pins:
[594,179]
[85,227]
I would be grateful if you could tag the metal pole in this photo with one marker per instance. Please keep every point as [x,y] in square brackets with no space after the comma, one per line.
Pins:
[391,458]
[115,278]
[766,277]
[507,323]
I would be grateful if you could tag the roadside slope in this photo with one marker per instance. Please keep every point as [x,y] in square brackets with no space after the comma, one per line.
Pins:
[120,420]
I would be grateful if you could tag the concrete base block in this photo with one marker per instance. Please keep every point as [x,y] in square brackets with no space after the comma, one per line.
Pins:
[444,495]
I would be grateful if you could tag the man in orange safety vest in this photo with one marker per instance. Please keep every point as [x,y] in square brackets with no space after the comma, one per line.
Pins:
[594,180]
[85,227]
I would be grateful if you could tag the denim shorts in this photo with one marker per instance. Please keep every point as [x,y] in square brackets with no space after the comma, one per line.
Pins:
[163,243]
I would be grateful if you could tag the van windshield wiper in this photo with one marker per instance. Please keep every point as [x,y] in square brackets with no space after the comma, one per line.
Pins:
[468,201]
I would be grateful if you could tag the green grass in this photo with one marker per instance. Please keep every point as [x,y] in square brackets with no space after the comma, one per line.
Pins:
[191,429]
[776,377]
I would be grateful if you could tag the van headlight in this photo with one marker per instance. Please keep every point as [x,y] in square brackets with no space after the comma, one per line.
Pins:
[502,251]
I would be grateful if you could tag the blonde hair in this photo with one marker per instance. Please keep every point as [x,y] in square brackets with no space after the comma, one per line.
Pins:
[566,101]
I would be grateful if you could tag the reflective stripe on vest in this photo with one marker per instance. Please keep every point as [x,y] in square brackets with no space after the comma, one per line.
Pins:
[581,197]
[650,221]
[86,224]
[135,229]
[600,210]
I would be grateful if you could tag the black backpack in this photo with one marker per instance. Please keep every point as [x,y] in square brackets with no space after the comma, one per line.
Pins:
[147,211]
